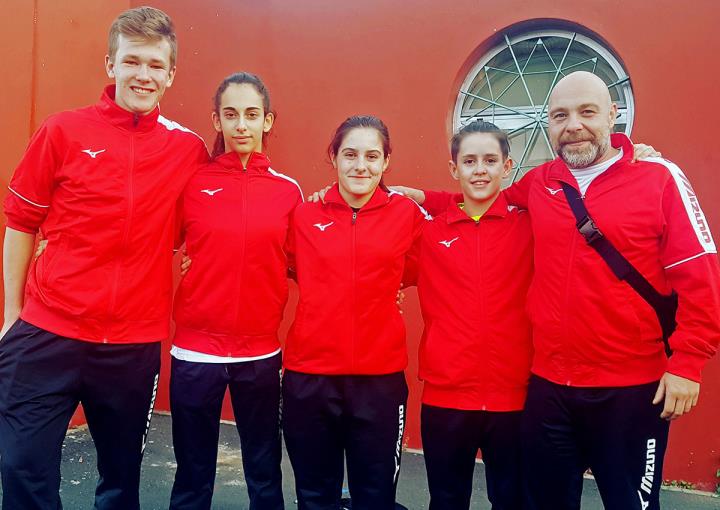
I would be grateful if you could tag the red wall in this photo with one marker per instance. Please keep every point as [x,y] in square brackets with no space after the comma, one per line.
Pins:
[324,60]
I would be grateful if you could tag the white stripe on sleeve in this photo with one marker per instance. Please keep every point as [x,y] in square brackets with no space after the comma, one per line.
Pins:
[28,200]
[427,215]
[283,176]
[696,217]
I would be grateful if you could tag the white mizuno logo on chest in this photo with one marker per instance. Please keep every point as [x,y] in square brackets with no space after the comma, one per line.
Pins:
[93,154]
[448,242]
[211,192]
[322,227]
[553,192]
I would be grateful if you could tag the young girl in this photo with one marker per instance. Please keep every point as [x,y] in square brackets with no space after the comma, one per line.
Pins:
[344,390]
[229,306]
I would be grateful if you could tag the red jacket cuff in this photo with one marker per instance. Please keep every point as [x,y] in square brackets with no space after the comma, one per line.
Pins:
[15,225]
[687,365]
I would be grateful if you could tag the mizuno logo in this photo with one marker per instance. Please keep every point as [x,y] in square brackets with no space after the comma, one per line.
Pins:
[211,192]
[553,192]
[398,445]
[93,154]
[149,415]
[322,227]
[448,243]
[646,482]
[698,216]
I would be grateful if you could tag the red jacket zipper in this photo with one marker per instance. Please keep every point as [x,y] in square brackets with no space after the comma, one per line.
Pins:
[124,241]
[353,262]
[244,185]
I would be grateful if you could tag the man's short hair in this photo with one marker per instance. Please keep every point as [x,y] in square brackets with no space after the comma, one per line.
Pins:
[147,23]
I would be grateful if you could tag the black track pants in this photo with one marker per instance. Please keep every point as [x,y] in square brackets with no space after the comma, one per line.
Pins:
[43,377]
[616,432]
[451,439]
[362,416]
[196,395]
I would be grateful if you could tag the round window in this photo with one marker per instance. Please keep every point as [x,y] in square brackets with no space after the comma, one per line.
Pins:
[511,84]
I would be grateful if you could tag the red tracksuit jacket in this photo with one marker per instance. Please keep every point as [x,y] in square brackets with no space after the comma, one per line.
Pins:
[472,279]
[101,184]
[235,223]
[349,268]
[589,328]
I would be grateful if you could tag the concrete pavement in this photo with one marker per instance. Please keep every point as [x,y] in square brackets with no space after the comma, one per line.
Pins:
[79,477]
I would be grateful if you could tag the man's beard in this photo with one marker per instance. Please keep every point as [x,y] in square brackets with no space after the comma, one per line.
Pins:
[585,157]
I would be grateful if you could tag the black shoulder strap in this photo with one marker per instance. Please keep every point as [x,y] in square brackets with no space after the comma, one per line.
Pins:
[664,306]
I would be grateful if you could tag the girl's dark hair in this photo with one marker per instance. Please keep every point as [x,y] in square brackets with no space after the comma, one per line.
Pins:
[359,121]
[479,126]
[239,79]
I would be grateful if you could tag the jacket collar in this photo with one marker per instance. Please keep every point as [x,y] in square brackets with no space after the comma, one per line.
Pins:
[380,197]
[560,171]
[498,209]
[258,162]
[122,118]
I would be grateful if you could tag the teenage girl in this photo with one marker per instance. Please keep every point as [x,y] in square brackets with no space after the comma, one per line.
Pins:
[344,390]
[228,308]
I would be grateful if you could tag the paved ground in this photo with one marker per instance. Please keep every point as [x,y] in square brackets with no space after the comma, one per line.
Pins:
[78,477]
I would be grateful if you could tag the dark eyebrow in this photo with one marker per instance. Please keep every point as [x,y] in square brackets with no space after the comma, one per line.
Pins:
[131,56]
[229,109]
[482,156]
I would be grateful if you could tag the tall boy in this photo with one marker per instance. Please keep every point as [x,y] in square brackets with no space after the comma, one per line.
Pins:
[100,183]
[473,266]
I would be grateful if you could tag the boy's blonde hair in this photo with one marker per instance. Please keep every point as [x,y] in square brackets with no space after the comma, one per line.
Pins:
[145,22]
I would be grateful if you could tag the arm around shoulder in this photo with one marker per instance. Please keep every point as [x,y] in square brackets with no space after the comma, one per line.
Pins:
[517,194]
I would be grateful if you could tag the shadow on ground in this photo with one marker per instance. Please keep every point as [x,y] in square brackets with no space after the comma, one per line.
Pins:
[79,477]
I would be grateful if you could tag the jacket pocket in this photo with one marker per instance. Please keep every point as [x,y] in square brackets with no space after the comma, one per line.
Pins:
[48,260]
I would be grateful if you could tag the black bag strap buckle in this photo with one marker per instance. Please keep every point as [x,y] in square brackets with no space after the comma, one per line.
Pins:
[589,230]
